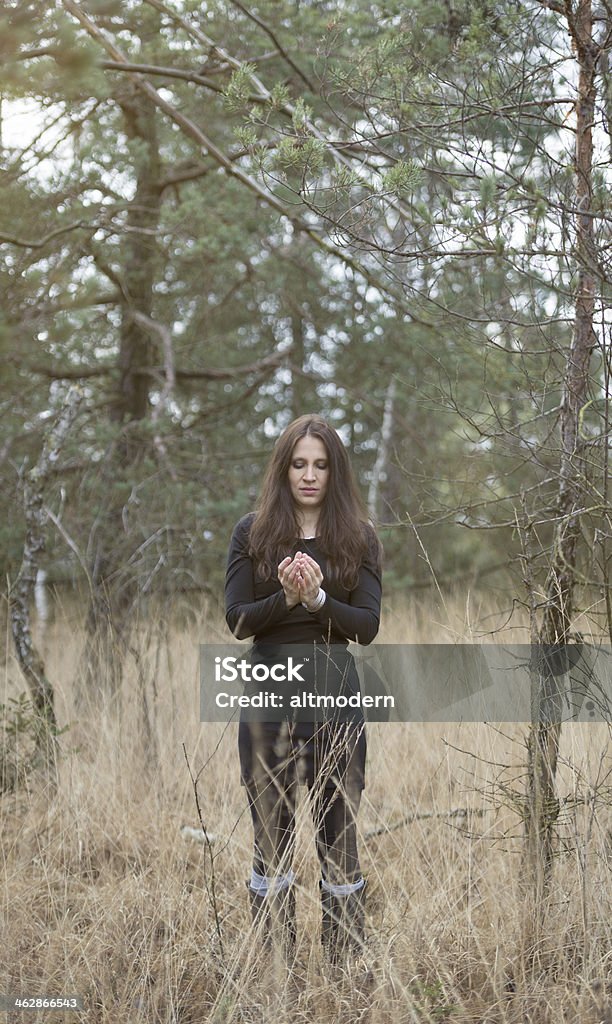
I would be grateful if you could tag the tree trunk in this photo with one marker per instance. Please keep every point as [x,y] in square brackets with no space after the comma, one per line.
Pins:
[137,347]
[21,593]
[114,586]
[382,455]
[300,389]
[544,737]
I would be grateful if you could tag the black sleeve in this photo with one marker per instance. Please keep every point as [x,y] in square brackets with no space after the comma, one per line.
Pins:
[244,615]
[358,620]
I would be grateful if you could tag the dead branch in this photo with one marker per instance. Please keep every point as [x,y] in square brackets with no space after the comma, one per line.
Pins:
[455,812]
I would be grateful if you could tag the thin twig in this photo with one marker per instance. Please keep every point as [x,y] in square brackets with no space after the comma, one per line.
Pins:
[210,889]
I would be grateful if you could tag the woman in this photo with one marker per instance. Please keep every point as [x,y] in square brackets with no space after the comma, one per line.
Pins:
[305,569]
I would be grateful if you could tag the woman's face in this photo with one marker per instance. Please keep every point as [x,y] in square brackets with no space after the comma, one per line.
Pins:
[309,473]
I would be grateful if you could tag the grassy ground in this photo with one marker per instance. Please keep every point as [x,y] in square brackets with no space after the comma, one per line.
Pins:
[103,896]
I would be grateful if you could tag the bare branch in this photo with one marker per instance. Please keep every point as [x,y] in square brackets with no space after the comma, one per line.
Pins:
[39,243]
[171,373]
[266,28]
[186,76]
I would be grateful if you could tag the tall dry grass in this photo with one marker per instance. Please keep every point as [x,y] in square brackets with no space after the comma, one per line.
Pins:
[103,896]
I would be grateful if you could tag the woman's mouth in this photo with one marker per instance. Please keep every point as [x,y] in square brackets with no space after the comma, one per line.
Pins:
[309,490]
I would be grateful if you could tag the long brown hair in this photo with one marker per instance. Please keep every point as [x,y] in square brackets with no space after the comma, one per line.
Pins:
[344,533]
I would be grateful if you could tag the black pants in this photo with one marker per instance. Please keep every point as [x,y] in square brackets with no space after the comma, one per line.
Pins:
[329,758]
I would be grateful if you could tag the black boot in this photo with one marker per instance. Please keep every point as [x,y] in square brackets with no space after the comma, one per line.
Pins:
[343,923]
[274,914]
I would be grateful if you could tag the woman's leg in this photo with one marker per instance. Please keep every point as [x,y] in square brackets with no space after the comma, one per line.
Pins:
[337,784]
[268,774]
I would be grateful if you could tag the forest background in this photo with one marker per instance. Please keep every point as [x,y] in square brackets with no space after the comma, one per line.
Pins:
[218,217]
[387,235]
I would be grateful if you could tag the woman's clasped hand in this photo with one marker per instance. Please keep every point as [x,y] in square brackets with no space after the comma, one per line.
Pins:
[300,578]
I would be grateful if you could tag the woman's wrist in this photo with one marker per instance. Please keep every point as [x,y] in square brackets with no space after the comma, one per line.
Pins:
[317,602]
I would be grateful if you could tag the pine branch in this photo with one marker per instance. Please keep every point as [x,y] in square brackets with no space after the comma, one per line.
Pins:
[27,243]
[193,131]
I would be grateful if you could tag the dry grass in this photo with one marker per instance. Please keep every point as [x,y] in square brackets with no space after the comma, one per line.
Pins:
[103,897]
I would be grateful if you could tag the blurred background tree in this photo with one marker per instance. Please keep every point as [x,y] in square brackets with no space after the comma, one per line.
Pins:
[227,217]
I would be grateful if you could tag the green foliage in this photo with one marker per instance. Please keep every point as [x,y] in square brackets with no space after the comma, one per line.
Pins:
[302,114]
[246,135]
[404,176]
[304,155]
[432,104]
[488,186]
[344,178]
[238,89]
[279,95]
[73,54]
